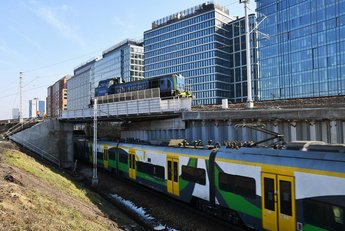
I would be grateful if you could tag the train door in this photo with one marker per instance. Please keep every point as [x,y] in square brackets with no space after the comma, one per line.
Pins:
[105,157]
[173,186]
[278,202]
[131,163]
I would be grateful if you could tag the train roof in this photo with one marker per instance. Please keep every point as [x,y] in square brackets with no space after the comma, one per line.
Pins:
[164,149]
[318,160]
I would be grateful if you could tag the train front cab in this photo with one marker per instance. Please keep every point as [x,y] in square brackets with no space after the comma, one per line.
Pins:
[278,200]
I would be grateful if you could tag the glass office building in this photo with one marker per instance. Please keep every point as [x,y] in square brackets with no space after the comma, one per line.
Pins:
[124,60]
[238,62]
[79,88]
[305,53]
[204,44]
[37,108]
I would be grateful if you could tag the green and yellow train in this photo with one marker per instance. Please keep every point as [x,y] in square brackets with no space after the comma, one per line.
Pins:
[261,188]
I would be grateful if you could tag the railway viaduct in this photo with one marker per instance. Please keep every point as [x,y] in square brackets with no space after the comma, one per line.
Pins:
[323,121]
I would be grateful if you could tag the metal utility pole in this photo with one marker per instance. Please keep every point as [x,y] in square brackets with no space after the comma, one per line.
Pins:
[20,97]
[250,103]
[94,154]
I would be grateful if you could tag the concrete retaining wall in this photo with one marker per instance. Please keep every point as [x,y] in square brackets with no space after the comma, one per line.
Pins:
[51,139]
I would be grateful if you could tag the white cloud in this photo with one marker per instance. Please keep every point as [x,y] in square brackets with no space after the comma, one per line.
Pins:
[50,16]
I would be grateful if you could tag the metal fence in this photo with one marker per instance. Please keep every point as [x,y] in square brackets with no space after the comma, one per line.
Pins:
[127,96]
[132,103]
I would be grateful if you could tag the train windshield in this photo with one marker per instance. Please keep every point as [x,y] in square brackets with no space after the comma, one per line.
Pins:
[106,83]
[103,83]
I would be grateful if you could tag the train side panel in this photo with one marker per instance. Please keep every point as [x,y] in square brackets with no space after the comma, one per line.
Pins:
[263,188]
[172,173]
[238,188]
[320,201]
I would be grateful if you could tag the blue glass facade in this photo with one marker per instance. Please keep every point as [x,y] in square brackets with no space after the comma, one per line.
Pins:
[305,54]
[123,60]
[199,43]
[238,62]
[36,108]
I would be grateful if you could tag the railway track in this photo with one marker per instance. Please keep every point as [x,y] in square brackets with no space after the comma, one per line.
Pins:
[168,212]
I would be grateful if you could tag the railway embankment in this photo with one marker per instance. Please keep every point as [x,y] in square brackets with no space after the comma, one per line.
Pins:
[36,197]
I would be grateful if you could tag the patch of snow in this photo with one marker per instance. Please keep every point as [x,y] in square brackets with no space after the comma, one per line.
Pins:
[140,212]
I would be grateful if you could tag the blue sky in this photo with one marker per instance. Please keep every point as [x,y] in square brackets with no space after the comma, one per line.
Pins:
[48,39]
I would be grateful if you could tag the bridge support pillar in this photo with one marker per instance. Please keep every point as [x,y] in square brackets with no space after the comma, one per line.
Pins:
[312,130]
[194,131]
[293,131]
[275,126]
[216,132]
[343,131]
[230,131]
[244,132]
[324,131]
[333,128]
[204,134]
[256,135]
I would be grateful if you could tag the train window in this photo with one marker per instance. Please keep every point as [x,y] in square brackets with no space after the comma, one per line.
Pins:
[323,215]
[132,161]
[285,197]
[169,170]
[100,155]
[241,185]
[123,158]
[158,171]
[197,175]
[106,157]
[175,172]
[154,83]
[151,169]
[269,193]
[141,166]
[111,154]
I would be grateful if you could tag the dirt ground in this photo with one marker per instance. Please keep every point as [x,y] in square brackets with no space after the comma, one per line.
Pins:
[28,202]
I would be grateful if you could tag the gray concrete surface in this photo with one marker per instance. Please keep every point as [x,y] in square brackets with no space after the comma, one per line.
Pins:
[51,139]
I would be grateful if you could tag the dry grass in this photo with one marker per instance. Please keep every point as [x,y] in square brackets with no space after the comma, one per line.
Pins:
[41,199]
[56,180]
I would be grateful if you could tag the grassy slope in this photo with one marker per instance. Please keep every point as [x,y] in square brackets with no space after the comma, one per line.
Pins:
[64,206]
